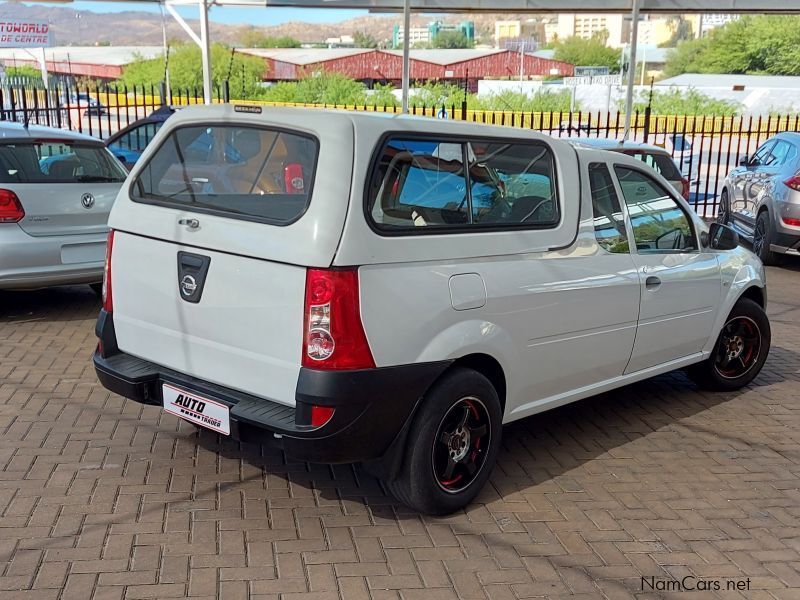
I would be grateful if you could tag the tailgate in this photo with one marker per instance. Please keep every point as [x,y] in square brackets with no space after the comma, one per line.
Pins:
[245,333]
[213,238]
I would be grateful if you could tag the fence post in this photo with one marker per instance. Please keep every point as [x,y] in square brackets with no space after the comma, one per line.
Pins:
[162,91]
[647,112]
[464,110]
[226,91]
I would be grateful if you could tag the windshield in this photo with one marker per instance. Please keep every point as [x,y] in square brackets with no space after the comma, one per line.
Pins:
[58,161]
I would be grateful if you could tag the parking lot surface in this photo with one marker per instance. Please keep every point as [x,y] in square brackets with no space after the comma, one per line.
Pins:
[650,491]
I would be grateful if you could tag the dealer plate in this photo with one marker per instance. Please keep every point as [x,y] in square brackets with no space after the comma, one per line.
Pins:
[197,409]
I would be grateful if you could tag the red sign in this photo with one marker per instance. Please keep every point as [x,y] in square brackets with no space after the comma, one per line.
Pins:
[25,34]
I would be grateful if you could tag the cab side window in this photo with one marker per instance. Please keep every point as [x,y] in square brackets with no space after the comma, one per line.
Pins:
[609,222]
[658,222]
[423,184]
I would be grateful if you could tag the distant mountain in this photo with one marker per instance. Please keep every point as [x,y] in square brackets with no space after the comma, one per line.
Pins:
[84,28]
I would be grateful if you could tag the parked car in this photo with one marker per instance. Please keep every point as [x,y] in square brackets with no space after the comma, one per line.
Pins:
[761,198]
[654,156]
[82,101]
[129,143]
[56,191]
[390,290]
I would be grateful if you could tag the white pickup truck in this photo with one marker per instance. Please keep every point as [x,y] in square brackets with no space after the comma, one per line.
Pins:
[391,290]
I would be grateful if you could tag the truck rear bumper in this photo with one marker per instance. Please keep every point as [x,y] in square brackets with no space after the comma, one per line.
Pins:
[371,407]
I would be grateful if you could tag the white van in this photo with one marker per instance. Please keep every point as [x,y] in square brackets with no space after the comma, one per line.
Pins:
[390,290]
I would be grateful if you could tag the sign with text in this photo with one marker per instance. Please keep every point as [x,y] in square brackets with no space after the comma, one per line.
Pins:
[591,71]
[600,80]
[22,33]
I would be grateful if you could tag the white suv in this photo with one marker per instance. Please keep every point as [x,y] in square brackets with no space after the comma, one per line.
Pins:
[391,290]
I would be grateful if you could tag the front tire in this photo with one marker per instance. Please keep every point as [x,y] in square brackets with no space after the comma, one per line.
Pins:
[724,211]
[452,445]
[740,352]
[762,239]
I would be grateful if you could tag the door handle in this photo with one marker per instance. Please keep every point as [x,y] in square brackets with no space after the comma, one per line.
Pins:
[652,283]
[190,223]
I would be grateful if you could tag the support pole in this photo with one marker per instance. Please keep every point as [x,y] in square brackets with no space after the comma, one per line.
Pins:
[406,53]
[205,51]
[43,65]
[168,91]
[631,69]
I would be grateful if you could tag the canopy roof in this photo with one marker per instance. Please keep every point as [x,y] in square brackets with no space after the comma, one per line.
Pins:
[647,6]
[523,6]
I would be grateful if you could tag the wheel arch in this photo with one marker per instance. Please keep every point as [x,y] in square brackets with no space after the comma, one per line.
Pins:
[756,294]
[489,367]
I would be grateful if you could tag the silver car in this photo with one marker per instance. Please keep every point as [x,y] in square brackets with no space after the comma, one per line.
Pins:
[56,191]
[761,198]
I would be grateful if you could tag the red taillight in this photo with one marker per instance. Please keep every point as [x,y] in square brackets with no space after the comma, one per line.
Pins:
[686,188]
[10,208]
[334,336]
[321,415]
[108,301]
[293,179]
[791,221]
[793,182]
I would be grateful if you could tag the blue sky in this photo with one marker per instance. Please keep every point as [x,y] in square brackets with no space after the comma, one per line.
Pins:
[231,14]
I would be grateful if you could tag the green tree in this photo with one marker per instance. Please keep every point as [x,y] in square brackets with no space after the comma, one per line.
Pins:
[761,44]
[362,39]
[681,31]
[245,73]
[253,38]
[24,71]
[451,39]
[589,53]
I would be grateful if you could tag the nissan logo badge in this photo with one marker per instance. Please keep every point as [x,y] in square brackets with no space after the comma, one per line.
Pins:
[87,200]
[188,285]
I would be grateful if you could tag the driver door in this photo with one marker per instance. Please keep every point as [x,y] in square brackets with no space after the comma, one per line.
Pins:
[680,283]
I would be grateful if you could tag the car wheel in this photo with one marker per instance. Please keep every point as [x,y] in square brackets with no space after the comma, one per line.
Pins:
[452,445]
[740,352]
[724,211]
[762,239]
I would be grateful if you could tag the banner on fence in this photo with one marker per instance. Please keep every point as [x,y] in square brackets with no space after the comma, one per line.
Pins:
[24,33]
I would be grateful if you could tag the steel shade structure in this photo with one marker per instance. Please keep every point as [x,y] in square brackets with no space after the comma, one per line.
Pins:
[635,7]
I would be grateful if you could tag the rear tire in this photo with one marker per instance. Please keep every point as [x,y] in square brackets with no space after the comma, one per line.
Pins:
[762,239]
[740,352]
[452,445]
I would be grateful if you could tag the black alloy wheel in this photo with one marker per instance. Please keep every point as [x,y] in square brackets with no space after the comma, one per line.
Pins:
[463,440]
[738,347]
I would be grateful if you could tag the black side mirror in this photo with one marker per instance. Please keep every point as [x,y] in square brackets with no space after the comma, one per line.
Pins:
[722,237]
[744,161]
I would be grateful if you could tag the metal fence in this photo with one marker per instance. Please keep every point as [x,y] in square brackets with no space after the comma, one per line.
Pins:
[704,147]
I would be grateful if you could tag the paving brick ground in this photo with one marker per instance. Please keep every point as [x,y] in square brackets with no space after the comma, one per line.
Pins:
[101,498]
